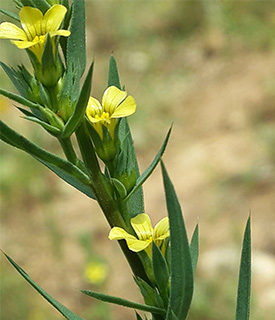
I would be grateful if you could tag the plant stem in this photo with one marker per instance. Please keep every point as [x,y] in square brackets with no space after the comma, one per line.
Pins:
[103,191]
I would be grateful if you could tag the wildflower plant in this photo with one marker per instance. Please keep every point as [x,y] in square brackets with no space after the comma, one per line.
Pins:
[162,259]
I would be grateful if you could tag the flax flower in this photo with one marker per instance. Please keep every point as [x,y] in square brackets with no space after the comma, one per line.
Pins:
[115,104]
[36,27]
[145,233]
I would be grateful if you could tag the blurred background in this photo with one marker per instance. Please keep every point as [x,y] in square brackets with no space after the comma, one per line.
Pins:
[206,66]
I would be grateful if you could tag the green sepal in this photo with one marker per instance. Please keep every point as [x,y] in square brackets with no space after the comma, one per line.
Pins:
[123,302]
[64,169]
[42,5]
[194,248]
[45,97]
[68,314]
[76,48]
[28,3]
[161,273]
[80,108]
[53,118]
[119,187]
[113,76]
[143,177]
[10,14]
[51,67]
[182,283]
[244,285]
[19,99]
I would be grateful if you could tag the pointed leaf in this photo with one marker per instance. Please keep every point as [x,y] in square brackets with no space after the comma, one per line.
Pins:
[113,77]
[146,174]
[244,286]
[161,273]
[135,203]
[10,14]
[123,302]
[194,248]
[76,48]
[181,264]
[18,99]
[44,124]
[64,169]
[81,105]
[12,74]
[68,314]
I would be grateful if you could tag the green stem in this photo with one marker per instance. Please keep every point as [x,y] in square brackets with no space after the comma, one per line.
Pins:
[68,150]
[103,191]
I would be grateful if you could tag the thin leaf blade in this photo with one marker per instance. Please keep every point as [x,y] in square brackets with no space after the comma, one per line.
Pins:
[123,302]
[81,105]
[244,286]
[181,264]
[194,248]
[146,174]
[68,314]
[64,169]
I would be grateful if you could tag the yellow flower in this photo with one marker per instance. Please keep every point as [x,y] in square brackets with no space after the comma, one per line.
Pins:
[35,28]
[145,233]
[115,104]
[96,272]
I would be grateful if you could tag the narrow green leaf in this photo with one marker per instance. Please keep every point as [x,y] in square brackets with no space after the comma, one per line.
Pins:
[13,76]
[10,14]
[143,177]
[64,169]
[81,105]
[135,203]
[194,248]
[44,124]
[113,77]
[123,302]
[161,273]
[76,48]
[18,99]
[68,314]
[181,264]
[244,286]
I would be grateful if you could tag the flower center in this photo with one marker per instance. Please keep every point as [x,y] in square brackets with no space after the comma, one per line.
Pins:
[40,39]
[104,117]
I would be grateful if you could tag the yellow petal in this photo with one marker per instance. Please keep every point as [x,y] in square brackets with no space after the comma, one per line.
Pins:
[64,33]
[142,226]
[53,17]
[93,108]
[126,108]
[112,97]
[31,20]
[137,245]
[117,233]
[24,44]
[161,230]
[11,31]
